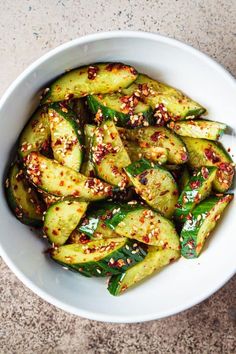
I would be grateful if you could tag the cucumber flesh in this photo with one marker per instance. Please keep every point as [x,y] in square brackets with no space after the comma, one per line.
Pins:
[198,228]
[126,111]
[62,181]
[65,136]
[155,185]
[204,152]
[159,137]
[22,199]
[154,153]
[36,134]
[62,218]
[92,79]
[100,257]
[155,260]
[144,225]
[168,102]
[109,155]
[203,129]
[197,189]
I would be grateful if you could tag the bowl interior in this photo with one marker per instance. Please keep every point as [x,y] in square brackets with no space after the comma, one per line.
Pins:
[181,284]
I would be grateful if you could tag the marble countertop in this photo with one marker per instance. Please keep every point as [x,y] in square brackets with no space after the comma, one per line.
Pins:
[30,28]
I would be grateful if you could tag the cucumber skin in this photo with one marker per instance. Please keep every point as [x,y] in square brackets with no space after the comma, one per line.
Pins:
[103,267]
[121,119]
[115,283]
[68,93]
[182,208]
[189,233]
[24,219]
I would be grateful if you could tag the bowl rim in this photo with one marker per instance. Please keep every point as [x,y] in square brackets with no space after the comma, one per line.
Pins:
[20,275]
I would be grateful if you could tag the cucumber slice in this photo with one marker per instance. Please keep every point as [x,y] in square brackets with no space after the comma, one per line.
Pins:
[87,167]
[94,224]
[62,218]
[204,152]
[183,179]
[155,185]
[65,136]
[155,260]
[109,155]
[36,134]
[154,153]
[62,181]
[126,111]
[159,137]
[80,108]
[92,79]
[144,225]
[197,189]
[197,229]
[22,199]
[101,257]
[203,129]
[168,102]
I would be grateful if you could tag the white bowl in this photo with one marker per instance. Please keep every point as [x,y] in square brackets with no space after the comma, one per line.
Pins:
[180,285]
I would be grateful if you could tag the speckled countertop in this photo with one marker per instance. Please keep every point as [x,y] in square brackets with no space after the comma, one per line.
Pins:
[31,28]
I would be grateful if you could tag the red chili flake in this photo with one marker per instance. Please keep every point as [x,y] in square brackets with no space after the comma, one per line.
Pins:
[210,155]
[175,192]
[84,239]
[164,192]
[161,114]
[156,136]
[184,156]
[178,205]
[55,232]
[145,239]
[205,172]
[142,178]
[92,72]
[227,167]
[34,123]
[195,184]
[144,89]
[61,183]
[116,66]
[228,149]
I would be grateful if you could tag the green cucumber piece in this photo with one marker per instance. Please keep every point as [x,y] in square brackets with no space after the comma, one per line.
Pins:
[184,178]
[155,185]
[109,155]
[92,79]
[80,108]
[203,129]
[62,218]
[145,225]
[94,226]
[197,189]
[100,257]
[65,136]
[36,134]
[204,152]
[155,260]
[87,167]
[62,181]
[153,153]
[198,228]
[22,199]
[159,137]
[126,111]
[168,102]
